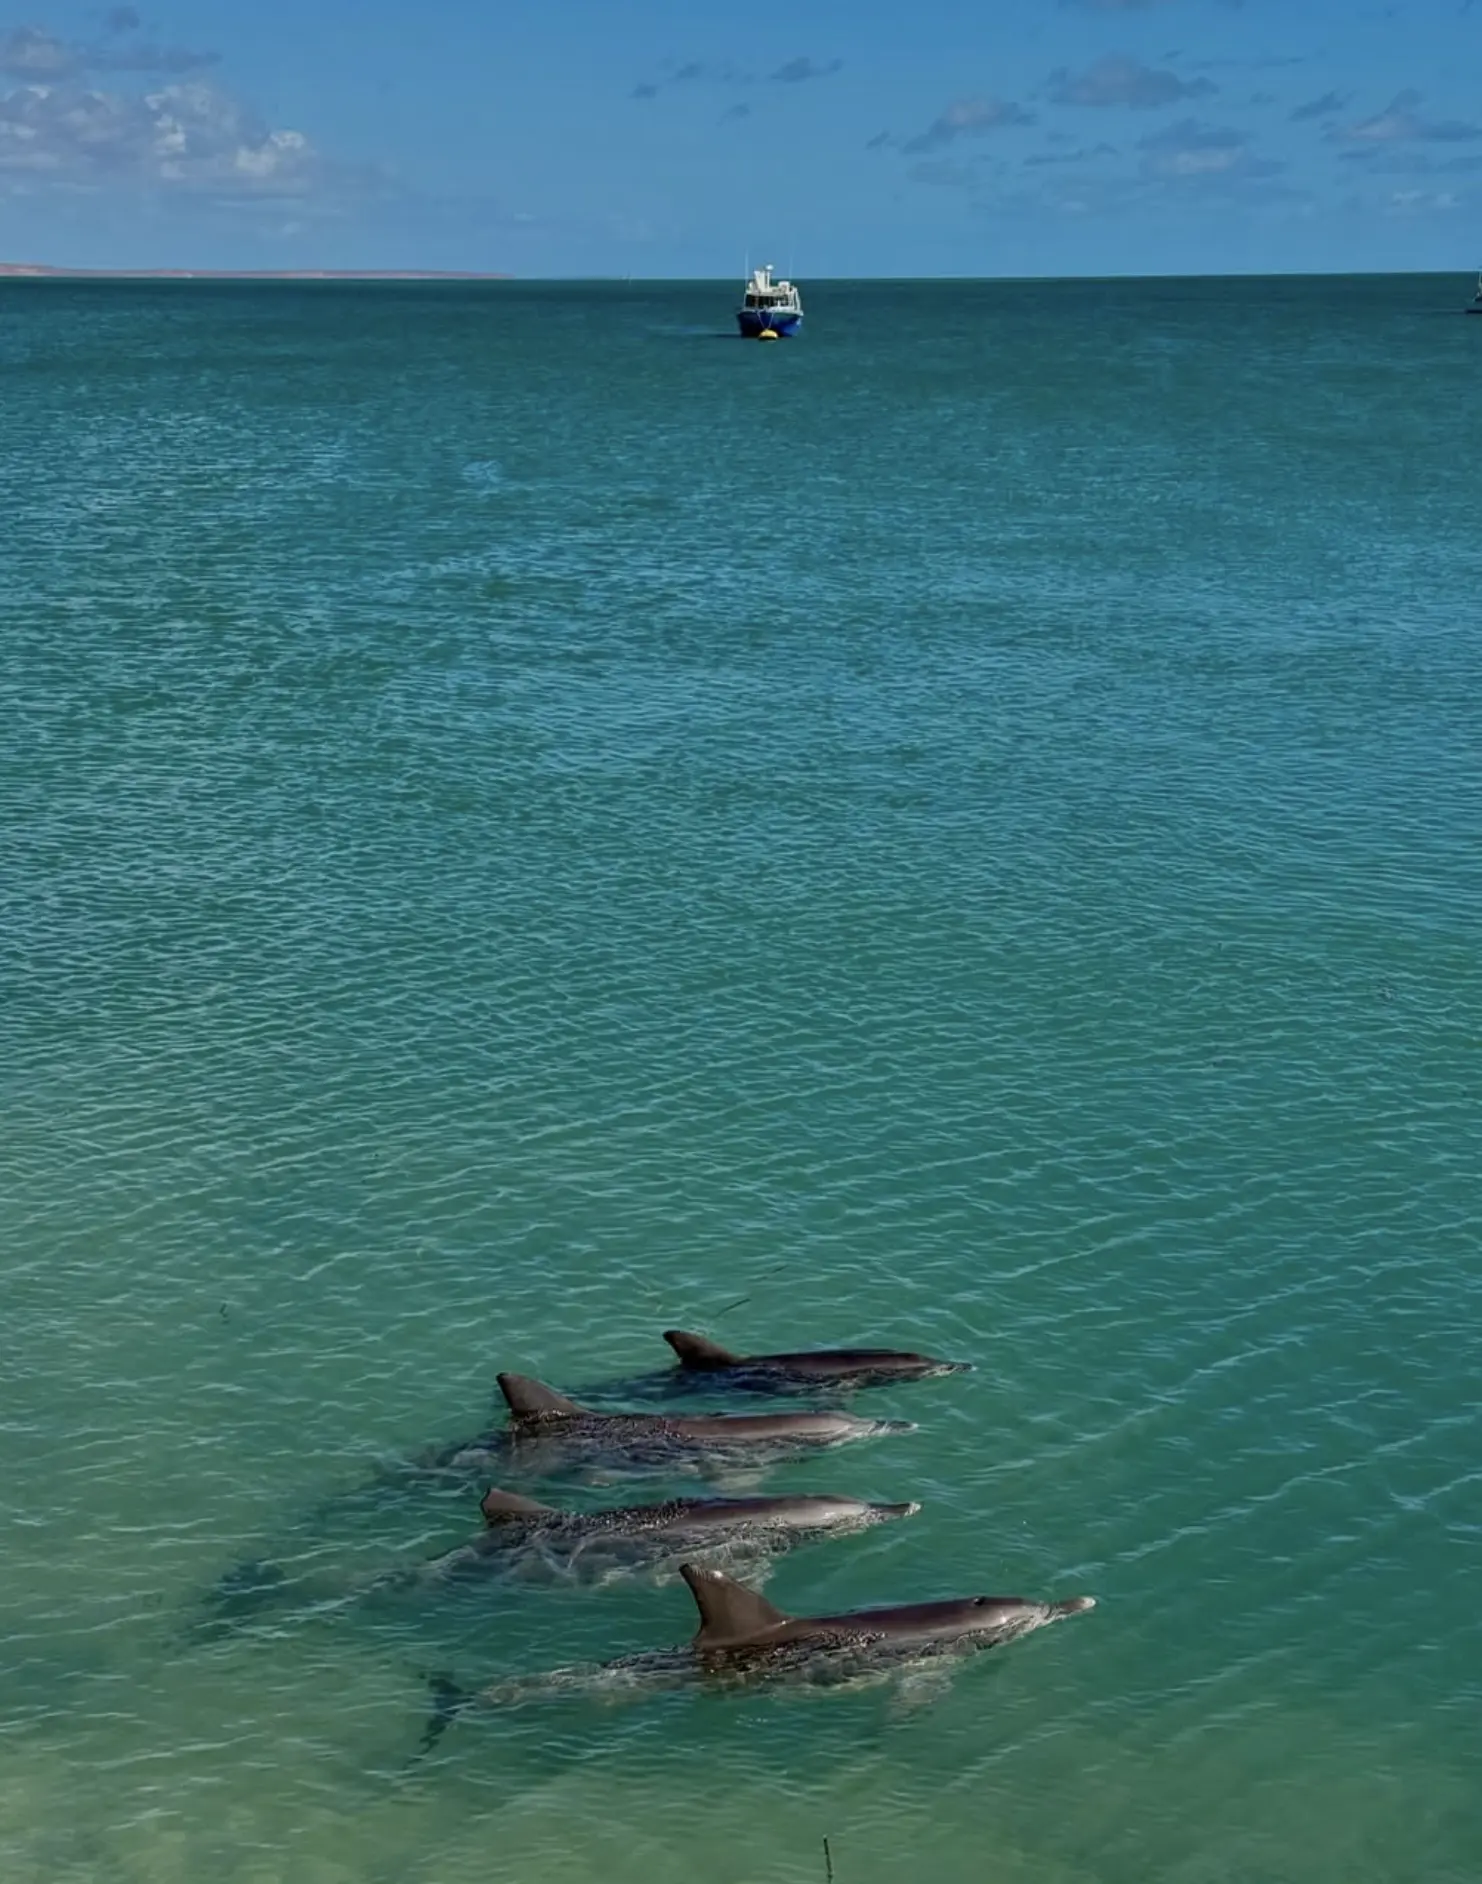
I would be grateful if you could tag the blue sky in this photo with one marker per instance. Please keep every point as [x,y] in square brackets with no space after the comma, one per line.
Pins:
[660,138]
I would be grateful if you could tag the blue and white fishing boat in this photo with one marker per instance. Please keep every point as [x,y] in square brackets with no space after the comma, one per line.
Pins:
[769,307]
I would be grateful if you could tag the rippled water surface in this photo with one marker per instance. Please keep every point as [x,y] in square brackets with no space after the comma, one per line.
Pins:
[527,822]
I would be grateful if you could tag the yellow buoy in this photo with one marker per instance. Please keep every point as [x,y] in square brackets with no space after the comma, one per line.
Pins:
[769,333]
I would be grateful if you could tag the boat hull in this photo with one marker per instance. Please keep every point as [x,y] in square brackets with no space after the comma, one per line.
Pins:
[754,321]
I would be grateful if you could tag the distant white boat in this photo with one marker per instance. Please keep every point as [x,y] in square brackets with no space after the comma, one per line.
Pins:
[768,306]
[1476,307]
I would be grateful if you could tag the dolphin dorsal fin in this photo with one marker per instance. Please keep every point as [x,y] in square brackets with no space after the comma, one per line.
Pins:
[499,1507]
[529,1400]
[695,1351]
[729,1612]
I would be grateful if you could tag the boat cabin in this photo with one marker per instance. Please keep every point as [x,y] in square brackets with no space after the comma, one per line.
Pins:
[764,295]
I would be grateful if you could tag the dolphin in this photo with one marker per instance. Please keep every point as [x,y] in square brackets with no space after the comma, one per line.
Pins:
[549,1434]
[743,1641]
[842,1369]
[523,1541]
[528,1538]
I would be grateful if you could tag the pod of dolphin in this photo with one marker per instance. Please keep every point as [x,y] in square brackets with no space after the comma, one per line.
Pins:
[741,1638]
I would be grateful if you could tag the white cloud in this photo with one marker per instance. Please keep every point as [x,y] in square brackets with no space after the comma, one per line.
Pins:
[943,174]
[1401,122]
[181,137]
[968,117]
[799,71]
[1117,81]
[1203,154]
[1081,153]
[1328,106]
[1422,202]
[27,52]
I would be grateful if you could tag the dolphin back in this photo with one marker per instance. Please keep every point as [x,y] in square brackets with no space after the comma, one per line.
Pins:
[531,1400]
[695,1351]
[729,1612]
[503,1507]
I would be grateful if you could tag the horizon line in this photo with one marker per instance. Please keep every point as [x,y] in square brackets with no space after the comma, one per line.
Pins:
[47,271]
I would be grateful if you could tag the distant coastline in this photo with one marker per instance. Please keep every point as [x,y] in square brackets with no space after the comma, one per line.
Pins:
[30,271]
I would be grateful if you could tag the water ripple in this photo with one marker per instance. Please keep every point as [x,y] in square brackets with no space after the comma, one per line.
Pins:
[484,886]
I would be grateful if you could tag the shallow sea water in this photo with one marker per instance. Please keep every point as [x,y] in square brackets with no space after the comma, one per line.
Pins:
[525,822]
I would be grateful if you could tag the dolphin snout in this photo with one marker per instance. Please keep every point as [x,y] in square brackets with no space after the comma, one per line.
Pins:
[896,1426]
[896,1511]
[1073,1605]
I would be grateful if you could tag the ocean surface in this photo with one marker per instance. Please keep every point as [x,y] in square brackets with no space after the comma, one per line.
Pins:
[526,821]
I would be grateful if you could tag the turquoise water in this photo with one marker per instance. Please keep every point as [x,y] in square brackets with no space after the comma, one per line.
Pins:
[527,822]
